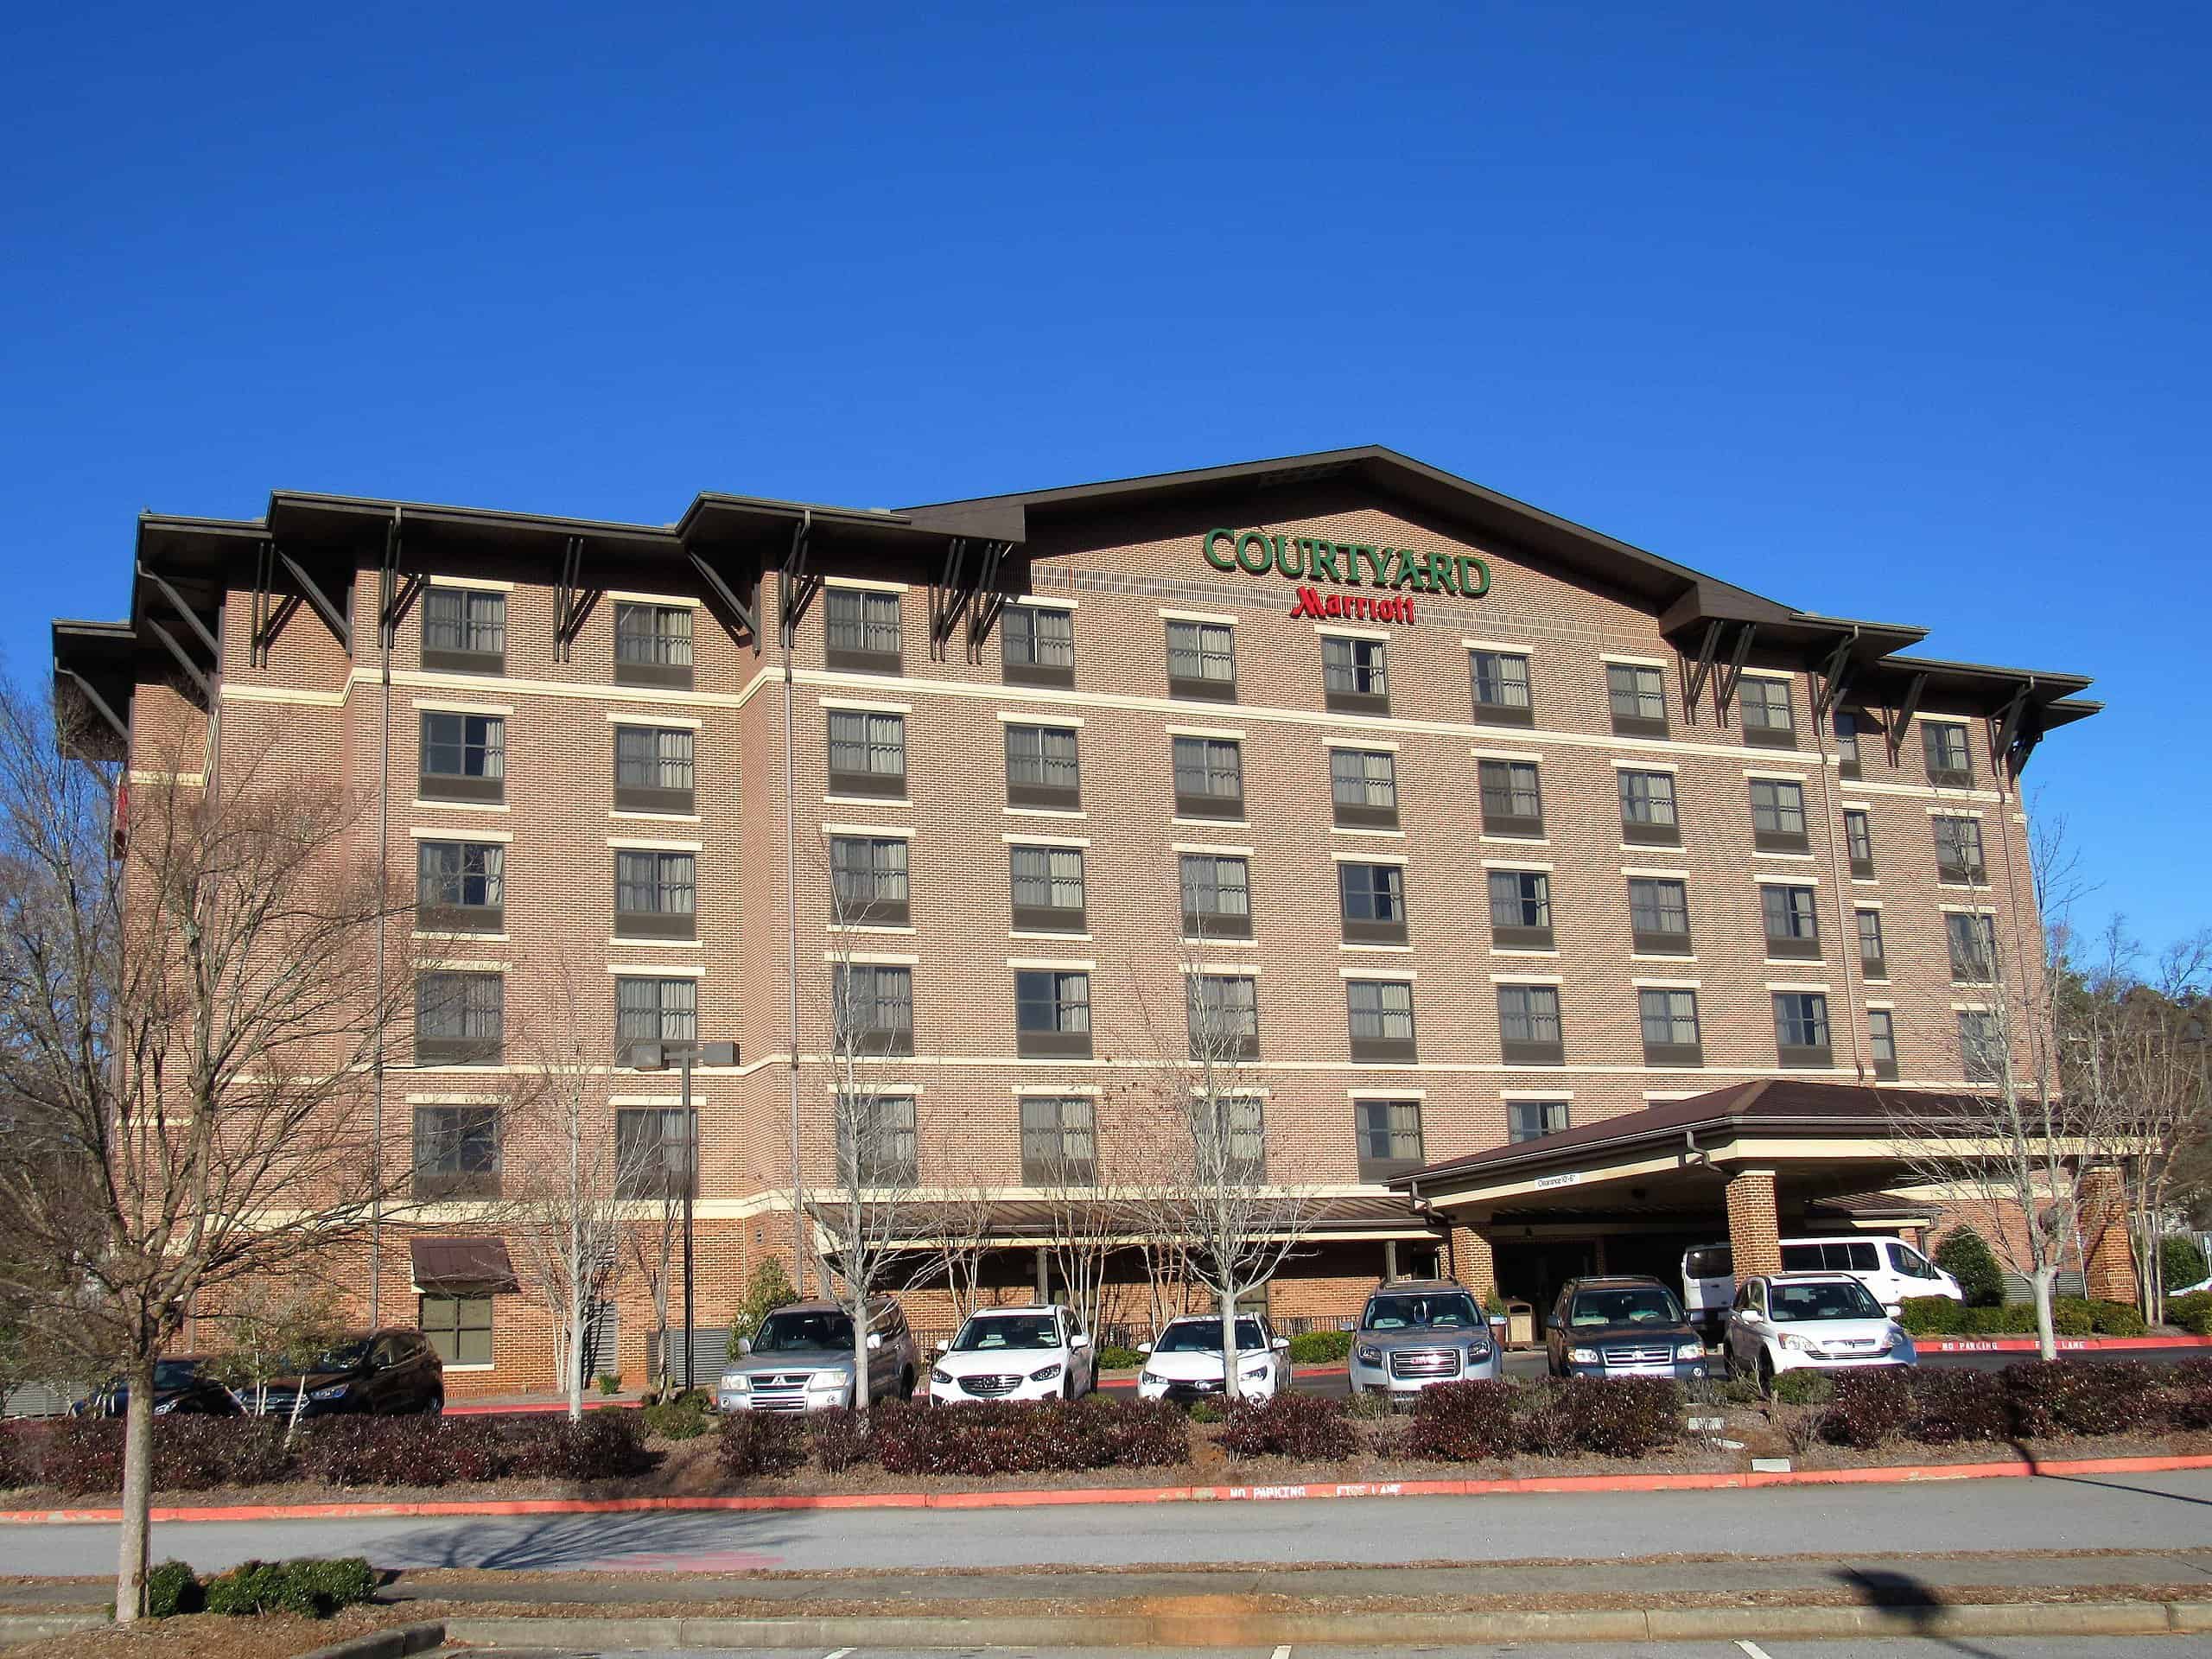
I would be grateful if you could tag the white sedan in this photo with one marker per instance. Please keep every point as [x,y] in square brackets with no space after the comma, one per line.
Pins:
[1184,1364]
[1038,1352]
[1816,1321]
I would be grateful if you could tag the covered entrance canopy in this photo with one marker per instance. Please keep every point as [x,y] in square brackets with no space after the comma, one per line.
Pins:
[1748,1164]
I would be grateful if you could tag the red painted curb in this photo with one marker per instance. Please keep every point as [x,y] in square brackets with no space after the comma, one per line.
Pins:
[2066,1345]
[1890,1475]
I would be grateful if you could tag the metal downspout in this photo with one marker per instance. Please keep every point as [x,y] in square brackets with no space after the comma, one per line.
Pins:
[790,925]
[384,574]
[1847,910]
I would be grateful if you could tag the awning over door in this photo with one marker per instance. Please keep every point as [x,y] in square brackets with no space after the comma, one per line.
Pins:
[449,1266]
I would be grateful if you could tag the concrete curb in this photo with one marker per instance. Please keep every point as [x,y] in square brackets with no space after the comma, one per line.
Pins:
[395,1643]
[1895,1474]
[1204,1624]
[16,1628]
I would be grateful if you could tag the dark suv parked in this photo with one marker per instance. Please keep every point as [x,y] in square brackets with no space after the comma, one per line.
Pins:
[383,1372]
[181,1388]
[1621,1326]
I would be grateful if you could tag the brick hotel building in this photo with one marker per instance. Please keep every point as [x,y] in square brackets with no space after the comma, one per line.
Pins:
[1481,826]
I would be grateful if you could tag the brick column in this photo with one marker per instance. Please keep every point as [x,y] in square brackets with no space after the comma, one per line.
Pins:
[1754,1228]
[2108,1264]
[1477,1266]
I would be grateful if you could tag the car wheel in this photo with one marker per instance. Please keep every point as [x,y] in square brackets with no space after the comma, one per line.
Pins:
[437,1406]
[1766,1376]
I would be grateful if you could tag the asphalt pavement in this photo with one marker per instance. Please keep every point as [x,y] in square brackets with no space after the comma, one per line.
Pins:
[2072,1647]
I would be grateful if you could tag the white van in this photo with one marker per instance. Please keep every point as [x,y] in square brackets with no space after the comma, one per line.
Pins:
[1889,1268]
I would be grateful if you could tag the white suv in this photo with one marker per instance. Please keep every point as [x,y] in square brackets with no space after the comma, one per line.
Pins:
[1818,1321]
[1185,1365]
[1038,1352]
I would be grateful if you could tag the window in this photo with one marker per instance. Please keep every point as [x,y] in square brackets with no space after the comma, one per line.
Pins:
[464,758]
[1237,1146]
[652,645]
[458,1328]
[1202,661]
[1364,788]
[1353,676]
[461,886]
[1973,947]
[1793,922]
[1767,722]
[1858,839]
[1037,646]
[1390,1137]
[874,1008]
[1669,1018]
[1059,1145]
[1042,767]
[1374,903]
[1527,1025]
[1872,962]
[1881,1042]
[1048,889]
[459,1019]
[1849,722]
[1637,694]
[877,1140]
[655,895]
[456,1151]
[1532,1120]
[1224,1017]
[867,881]
[1521,910]
[1950,762]
[1513,801]
[1778,817]
[653,1152]
[1382,1019]
[1648,809]
[1658,916]
[1209,778]
[1051,1014]
[656,1011]
[1216,897]
[860,631]
[1981,1046]
[867,754]
[653,769]
[1800,1028]
[1958,850]
[464,631]
[1501,687]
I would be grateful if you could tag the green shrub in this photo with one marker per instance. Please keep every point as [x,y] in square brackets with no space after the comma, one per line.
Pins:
[1369,1404]
[1966,1258]
[769,1288]
[1302,1426]
[2116,1319]
[1204,1411]
[683,1418]
[610,1382]
[1931,1316]
[2070,1316]
[1804,1388]
[173,1588]
[248,1588]
[2192,1313]
[311,1586]
[332,1582]
[1320,1347]
[1119,1359]
[2181,1261]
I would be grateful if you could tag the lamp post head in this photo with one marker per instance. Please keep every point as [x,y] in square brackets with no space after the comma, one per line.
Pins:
[663,1057]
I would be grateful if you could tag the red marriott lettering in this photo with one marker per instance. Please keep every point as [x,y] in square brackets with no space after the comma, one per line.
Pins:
[1353,606]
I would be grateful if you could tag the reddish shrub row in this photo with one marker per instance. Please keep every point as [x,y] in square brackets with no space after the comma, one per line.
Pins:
[1611,1417]
[2030,1400]
[195,1453]
[994,1438]
[1301,1426]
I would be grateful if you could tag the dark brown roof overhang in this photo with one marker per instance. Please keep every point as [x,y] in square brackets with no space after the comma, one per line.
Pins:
[478,1265]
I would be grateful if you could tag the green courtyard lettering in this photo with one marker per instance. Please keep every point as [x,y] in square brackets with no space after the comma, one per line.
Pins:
[1350,564]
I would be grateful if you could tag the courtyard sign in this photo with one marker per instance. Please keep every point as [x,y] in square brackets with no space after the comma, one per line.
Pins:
[1351,564]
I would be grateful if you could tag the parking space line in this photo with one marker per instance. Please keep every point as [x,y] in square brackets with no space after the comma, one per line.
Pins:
[840,1653]
[1282,1652]
[1753,1650]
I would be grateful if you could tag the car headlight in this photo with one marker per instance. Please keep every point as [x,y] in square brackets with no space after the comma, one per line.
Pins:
[1150,1376]
[335,1391]
[1256,1373]
[1044,1376]
[827,1383]
[737,1385]
[1369,1354]
[1582,1356]
[1795,1344]
[1690,1350]
[163,1407]
[1479,1350]
[938,1374]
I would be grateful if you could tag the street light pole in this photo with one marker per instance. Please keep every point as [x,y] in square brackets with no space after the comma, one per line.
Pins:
[653,1057]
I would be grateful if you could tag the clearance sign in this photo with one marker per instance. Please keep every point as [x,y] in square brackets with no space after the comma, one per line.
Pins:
[1308,561]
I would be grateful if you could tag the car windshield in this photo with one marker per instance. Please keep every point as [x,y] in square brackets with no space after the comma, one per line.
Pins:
[1637,1305]
[1007,1331]
[175,1373]
[1204,1336]
[1836,1299]
[1452,1310]
[792,1333]
[344,1357]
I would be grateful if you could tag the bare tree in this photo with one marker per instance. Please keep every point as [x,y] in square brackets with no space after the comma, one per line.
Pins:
[864,1210]
[191,1007]
[1212,1188]
[1078,1158]
[958,1225]
[277,1329]
[574,1171]
[653,1237]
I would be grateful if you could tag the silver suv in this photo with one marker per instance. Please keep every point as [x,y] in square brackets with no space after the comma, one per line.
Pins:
[802,1360]
[1417,1333]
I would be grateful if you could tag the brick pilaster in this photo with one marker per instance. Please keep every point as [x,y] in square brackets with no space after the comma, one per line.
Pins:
[1754,1228]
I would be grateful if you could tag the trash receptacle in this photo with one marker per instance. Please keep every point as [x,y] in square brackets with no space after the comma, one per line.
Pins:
[1520,1324]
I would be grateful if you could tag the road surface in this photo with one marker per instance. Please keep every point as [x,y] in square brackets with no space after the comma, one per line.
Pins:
[1981,1647]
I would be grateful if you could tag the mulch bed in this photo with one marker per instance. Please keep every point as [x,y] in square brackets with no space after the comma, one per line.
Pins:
[215,1636]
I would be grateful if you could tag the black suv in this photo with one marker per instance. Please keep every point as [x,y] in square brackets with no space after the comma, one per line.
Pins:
[383,1372]
[183,1386]
[1623,1326]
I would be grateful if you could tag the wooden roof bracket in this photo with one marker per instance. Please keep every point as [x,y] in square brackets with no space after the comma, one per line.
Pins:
[572,600]
[1833,676]
[394,592]
[1900,716]
[1730,674]
[799,587]
[1698,669]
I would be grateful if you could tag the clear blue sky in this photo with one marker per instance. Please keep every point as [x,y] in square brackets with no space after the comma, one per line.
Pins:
[1892,311]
